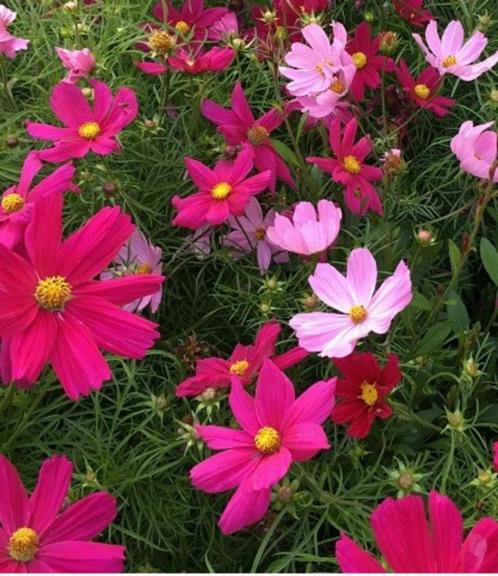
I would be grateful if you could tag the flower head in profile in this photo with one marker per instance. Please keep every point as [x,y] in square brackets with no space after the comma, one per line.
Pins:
[411,542]
[52,309]
[363,390]
[451,55]
[9,44]
[413,11]
[214,60]
[361,308]
[276,429]
[223,191]
[40,535]
[87,129]
[476,148]
[78,63]
[349,168]
[310,230]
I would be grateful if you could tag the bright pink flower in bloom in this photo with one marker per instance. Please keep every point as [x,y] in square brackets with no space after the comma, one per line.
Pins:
[363,390]
[239,128]
[276,430]
[368,62]
[495,456]
[413,11]
[225,28]
[244,362]
[348,167]
[451,55]
[311,230]
[250,232]
[362,310]
[477,149]
[9,44]
[214,60]
[423,90]
[17,202]
[86,129]
[79,63]
[223,191]
[38,534]
[411,542]
[52,309]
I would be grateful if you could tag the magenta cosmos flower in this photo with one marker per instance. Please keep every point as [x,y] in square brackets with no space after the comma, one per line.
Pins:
[39,534]
[409,542]
[52,309]
[276,430]
[349,168]
[78,63]
[86,129]
[16,205]
[451,55]
[310,231]
[495,456]
[9,44]
[214,60]
[223,191]
[413,11]
[239,128]
[362,310]
[476,148]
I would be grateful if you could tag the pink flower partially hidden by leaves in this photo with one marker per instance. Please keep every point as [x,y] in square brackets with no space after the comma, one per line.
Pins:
[224,28]
[413,11]
[87,129]
[39,534]
[477,150]
[310,231]
[409,541]
[451,55]
[276,429]
[9,44]
[361,309]
[214,60]
[78,63]
[495,456]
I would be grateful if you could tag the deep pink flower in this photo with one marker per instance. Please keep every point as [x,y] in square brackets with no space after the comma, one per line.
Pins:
[276,430]
[52,309]
[362,310]
[413,11]
[86,128]
[307,7]
[79,63]
[244,362]
[495,456]
[239,127]
[423,90]
[477,149]
[214,60]
[38,534]
[16,206]
[223,191]
[9,44]
[348,167]
[411,542]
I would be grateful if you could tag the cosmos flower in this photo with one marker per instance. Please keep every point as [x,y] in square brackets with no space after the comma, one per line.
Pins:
[9,44]
[476,148]
[213,60]
[79,63]
[495,456]
[413,11]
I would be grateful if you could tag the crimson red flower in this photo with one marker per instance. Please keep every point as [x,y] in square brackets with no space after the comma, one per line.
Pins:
[413,11]
[363,390]
[369,63]
[423,90]
[213,60]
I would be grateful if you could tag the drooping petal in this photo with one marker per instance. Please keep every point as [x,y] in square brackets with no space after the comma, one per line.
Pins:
[243,509]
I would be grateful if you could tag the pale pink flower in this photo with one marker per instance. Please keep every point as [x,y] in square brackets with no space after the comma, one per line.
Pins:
[451,55]
[362,310]
[477,149]
[79,63]
[9,44]
[225,27]
[200,241]
[310,231]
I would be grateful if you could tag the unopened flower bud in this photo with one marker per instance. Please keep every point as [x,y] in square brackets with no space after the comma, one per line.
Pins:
[11,141]
[471,368]
[70,6]
[150,124]
[389,42]
[424,237]
[456,421]
[109,188]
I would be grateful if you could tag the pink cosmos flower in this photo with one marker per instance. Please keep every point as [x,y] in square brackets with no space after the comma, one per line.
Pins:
[413,11]
[9,44]
[52,309]
[362,310]
[495,456]
[79,63]
[86,129]
[214,60]
[276,430]
[450,55]
[38,534]
[16,205]
[138,256]
[224,28]
[223,191]
[411,542]
[477,149]
[348,167]
[250,232]
[311,231]
[239,128]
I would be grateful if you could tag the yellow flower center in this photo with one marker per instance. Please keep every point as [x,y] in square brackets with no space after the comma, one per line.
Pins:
[449,61]
[337,86]
[23,544]
[422,91]
[161,42]
[257,135]
[12,202]
[52,293]
[182,27]
[267,440]
[359,60]
[89,130]
[260,233]
[358,313]
[143,269]
[369,393]
[239,367]
[352,164]
[221,191]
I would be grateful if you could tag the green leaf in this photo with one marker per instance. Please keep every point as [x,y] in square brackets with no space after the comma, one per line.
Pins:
[433,338]
[489,257]
[455,257]
[420,302]
[457,313]
[286,153]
